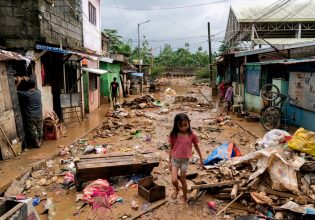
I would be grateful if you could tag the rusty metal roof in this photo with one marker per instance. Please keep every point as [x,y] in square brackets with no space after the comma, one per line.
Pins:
[8,55]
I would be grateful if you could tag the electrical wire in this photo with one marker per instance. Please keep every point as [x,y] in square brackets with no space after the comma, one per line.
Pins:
[167,8]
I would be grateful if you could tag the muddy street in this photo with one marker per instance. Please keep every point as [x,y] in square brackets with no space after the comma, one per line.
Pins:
[133,129]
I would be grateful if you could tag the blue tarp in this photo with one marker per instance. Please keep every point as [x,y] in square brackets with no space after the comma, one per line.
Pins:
[224,152]
[137,74]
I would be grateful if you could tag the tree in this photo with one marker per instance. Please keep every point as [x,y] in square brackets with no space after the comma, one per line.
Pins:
[116,45]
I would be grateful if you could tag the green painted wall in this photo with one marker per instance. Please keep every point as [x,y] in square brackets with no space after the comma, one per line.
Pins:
[107,78]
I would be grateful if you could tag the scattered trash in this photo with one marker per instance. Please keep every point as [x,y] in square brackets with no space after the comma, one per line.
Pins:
[224,152]
[68,180]
[134,205]
[100,188]
[170,91]
[36,201]
[303,141]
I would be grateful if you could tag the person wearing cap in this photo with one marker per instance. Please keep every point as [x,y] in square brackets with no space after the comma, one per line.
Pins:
[32,107]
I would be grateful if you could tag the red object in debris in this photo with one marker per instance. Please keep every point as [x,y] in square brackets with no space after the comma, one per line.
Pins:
[212,205]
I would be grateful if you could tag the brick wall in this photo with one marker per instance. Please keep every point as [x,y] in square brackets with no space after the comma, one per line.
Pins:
[61,22]
[25,22]
[19,23]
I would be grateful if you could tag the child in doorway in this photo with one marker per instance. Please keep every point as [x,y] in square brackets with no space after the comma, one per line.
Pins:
[181,140]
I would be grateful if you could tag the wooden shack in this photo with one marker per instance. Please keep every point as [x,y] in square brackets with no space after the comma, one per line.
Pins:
[11,123]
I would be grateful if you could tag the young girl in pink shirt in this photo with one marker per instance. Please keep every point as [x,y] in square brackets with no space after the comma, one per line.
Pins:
[181,140]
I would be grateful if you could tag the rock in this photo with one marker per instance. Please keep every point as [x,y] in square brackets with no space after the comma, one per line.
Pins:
[42,182]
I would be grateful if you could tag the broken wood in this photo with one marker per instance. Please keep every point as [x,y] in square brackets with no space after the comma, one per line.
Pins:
[229,190]
[194,195]
[211,105]
[286,195]
[234,191]
[155,206]
[222,210]
[254,183]
[211,185]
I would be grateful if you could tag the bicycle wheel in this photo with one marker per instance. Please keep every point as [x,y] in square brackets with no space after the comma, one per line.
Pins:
[271,118]
[270,92]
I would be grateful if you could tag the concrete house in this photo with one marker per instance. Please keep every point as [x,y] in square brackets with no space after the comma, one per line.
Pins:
[55,34]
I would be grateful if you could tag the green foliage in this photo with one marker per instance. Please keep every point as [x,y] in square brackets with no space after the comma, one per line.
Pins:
[116,45]
[145,53]
[182,57]
[203,73]
[156,71]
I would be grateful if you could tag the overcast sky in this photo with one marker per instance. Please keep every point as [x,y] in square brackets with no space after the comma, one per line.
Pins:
[175,26]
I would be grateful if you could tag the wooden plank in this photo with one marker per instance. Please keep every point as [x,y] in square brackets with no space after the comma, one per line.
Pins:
[155,206]
[100,160]
[113,164]
[286,195]
[220,184]
[114,154]
[12,211]
[234,191]
[229,190]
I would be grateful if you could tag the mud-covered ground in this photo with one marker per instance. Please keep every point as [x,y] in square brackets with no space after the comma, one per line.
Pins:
[157,124]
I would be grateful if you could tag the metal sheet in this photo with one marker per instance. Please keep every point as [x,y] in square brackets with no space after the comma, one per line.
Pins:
[70,100]
[302,90]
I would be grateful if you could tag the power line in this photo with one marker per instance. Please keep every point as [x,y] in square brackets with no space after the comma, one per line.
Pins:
[166,8]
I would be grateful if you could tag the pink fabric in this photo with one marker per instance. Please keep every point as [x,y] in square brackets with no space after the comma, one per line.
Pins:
[182,145]
[229,94]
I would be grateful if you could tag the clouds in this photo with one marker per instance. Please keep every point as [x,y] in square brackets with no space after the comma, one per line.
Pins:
[171,26]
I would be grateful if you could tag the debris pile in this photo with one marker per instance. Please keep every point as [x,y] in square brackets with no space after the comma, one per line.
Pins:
[146,101]
[269,180]
[183,99]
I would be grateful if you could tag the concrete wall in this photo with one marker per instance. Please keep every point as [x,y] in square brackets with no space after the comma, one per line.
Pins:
[25,22]
[91,33]
[47,97]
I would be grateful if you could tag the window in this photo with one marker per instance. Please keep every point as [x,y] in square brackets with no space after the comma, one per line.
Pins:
[92,82]
[92,14]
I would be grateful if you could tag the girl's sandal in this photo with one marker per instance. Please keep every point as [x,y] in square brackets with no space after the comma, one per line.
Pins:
[174,194]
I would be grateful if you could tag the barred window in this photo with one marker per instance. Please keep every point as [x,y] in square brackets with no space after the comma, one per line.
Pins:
[92,13]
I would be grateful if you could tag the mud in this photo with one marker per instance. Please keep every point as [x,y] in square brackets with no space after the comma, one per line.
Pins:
[200,114]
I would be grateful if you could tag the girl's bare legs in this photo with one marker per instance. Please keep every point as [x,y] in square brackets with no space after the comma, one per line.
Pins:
[184,185]
[175,181]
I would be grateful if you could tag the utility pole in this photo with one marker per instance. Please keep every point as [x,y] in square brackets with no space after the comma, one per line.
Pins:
[139,48]
[210,54]
[139,55]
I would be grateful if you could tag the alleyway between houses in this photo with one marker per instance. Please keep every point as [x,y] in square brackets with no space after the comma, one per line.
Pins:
[114,130]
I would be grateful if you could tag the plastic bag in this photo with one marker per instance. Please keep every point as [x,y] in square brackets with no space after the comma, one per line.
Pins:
[224,152]
[303,141]
[273,138]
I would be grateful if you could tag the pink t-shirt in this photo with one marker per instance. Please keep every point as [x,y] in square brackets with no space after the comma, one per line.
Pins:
[182,145]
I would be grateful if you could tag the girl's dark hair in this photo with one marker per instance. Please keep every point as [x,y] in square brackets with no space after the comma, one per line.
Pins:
[179,118]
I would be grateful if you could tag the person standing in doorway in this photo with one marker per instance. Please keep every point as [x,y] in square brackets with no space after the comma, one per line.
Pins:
[128,86]
[228,99]
[114,90]
[32,107]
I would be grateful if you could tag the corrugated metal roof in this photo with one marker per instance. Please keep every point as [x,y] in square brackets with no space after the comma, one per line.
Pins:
[267,50]
[285,62]
[294,11]
[8,55]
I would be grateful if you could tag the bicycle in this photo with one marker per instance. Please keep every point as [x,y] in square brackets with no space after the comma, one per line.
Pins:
[271,117]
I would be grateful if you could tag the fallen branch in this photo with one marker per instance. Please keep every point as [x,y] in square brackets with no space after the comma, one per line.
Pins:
[230,204]
[157,205]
